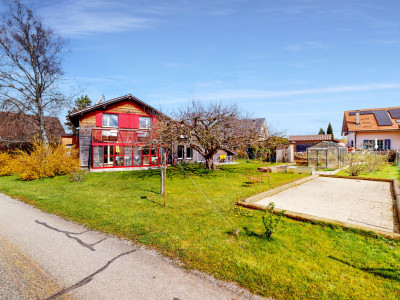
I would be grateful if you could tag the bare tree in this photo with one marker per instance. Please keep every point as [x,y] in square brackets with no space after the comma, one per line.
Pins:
[30,62]
[207,128]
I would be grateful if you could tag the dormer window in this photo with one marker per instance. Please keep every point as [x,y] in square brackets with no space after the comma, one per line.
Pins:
[145,122]
[110,120]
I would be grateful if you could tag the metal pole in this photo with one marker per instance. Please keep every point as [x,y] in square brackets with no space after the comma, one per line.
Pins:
[165,178]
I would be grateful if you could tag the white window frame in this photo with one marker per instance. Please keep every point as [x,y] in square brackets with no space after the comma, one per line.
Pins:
[190,151]
[107,119]
[148,125]
[183,152]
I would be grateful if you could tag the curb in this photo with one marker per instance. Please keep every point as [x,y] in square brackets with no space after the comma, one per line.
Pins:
[312,219]
[356,177]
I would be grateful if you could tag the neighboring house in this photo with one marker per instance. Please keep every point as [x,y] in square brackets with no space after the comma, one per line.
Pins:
[260,127]
[18,130]
[376,129]
[302,142]
[116,134]
[184,153]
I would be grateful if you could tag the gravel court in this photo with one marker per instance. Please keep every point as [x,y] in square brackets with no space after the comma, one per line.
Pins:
[361,202]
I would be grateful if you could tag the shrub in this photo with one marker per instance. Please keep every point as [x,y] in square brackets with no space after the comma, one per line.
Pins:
[356,166]
[78,175]
[271,220]
[45,160]
[375,162]
[6,162]
[392,156]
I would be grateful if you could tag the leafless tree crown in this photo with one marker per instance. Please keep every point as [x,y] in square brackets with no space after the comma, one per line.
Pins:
[30,62]
[208,128]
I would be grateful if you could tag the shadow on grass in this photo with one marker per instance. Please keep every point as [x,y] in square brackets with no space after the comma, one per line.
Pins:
[388,273]
[246,231]
[151,200]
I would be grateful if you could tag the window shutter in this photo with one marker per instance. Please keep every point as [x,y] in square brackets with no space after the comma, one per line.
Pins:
[134,121]
[387,144]
[99,119]
[124,121]
[155,122]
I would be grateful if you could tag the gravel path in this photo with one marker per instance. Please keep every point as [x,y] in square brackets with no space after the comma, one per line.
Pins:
[66,259]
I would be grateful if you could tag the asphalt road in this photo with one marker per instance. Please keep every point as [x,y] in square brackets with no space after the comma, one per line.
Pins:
[43,256]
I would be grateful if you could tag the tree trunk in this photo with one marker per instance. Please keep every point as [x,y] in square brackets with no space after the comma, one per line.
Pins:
[209,163]
[42,129]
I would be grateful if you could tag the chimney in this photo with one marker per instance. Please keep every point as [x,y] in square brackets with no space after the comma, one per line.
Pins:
[357,117]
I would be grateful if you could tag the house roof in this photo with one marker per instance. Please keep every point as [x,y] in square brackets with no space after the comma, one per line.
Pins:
[376,119]
[102,105]
[20,128]
[258,124]
[310,138]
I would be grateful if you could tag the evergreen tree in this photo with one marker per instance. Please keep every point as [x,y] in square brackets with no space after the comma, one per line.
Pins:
[81,103]
[321,131]
[329,130]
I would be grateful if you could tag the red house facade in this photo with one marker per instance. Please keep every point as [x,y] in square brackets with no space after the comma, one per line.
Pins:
[118,134]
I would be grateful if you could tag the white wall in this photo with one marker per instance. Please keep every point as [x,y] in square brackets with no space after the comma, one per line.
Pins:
[394,137]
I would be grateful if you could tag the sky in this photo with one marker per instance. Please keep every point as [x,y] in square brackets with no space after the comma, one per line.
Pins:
[298,63]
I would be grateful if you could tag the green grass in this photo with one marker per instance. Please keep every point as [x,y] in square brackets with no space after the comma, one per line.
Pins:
[302,260]
[388,172]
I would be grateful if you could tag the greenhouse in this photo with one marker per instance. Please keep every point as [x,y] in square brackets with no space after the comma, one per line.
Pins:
[327,154]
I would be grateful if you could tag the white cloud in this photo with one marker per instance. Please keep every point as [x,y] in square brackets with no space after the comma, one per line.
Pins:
[77,18]
[254,94]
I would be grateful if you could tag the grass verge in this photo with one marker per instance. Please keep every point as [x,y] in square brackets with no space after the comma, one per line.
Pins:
[302,260]
[387,172]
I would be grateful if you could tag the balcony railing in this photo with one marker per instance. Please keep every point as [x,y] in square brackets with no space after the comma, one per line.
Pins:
[120,136]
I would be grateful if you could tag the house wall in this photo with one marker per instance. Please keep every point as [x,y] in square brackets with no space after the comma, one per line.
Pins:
[89,119]
[359,137]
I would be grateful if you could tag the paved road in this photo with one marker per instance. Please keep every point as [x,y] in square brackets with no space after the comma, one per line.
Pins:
[45,257]
[365,203]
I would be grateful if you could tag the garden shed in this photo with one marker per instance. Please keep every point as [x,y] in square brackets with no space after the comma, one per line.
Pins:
[326,154]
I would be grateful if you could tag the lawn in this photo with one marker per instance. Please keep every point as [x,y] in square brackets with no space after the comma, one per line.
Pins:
[387,172]
[302,260]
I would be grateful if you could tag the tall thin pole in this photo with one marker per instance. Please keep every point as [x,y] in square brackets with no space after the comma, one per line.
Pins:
[165,178]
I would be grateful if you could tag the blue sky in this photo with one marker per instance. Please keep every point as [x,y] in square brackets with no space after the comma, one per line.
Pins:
[298,63]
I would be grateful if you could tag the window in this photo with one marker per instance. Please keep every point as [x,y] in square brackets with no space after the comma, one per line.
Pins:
[98,156]
[180,152]
[373,145]
[127,156]
[145,122]
[110,120]
[189,153]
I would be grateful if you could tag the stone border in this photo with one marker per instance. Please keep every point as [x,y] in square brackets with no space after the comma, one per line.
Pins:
[250,203]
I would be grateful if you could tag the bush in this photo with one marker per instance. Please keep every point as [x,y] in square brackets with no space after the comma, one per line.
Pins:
[6,161]
[356,166]
[392,156]
[375,162]
[45,160]
[78,176]
[271,220]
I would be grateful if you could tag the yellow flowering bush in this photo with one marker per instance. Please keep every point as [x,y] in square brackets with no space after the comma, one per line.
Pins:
[44,160]
[6,162]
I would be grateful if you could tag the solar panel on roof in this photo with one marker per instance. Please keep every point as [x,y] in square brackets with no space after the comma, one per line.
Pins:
[395,113]
[365,112]
[382,118]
